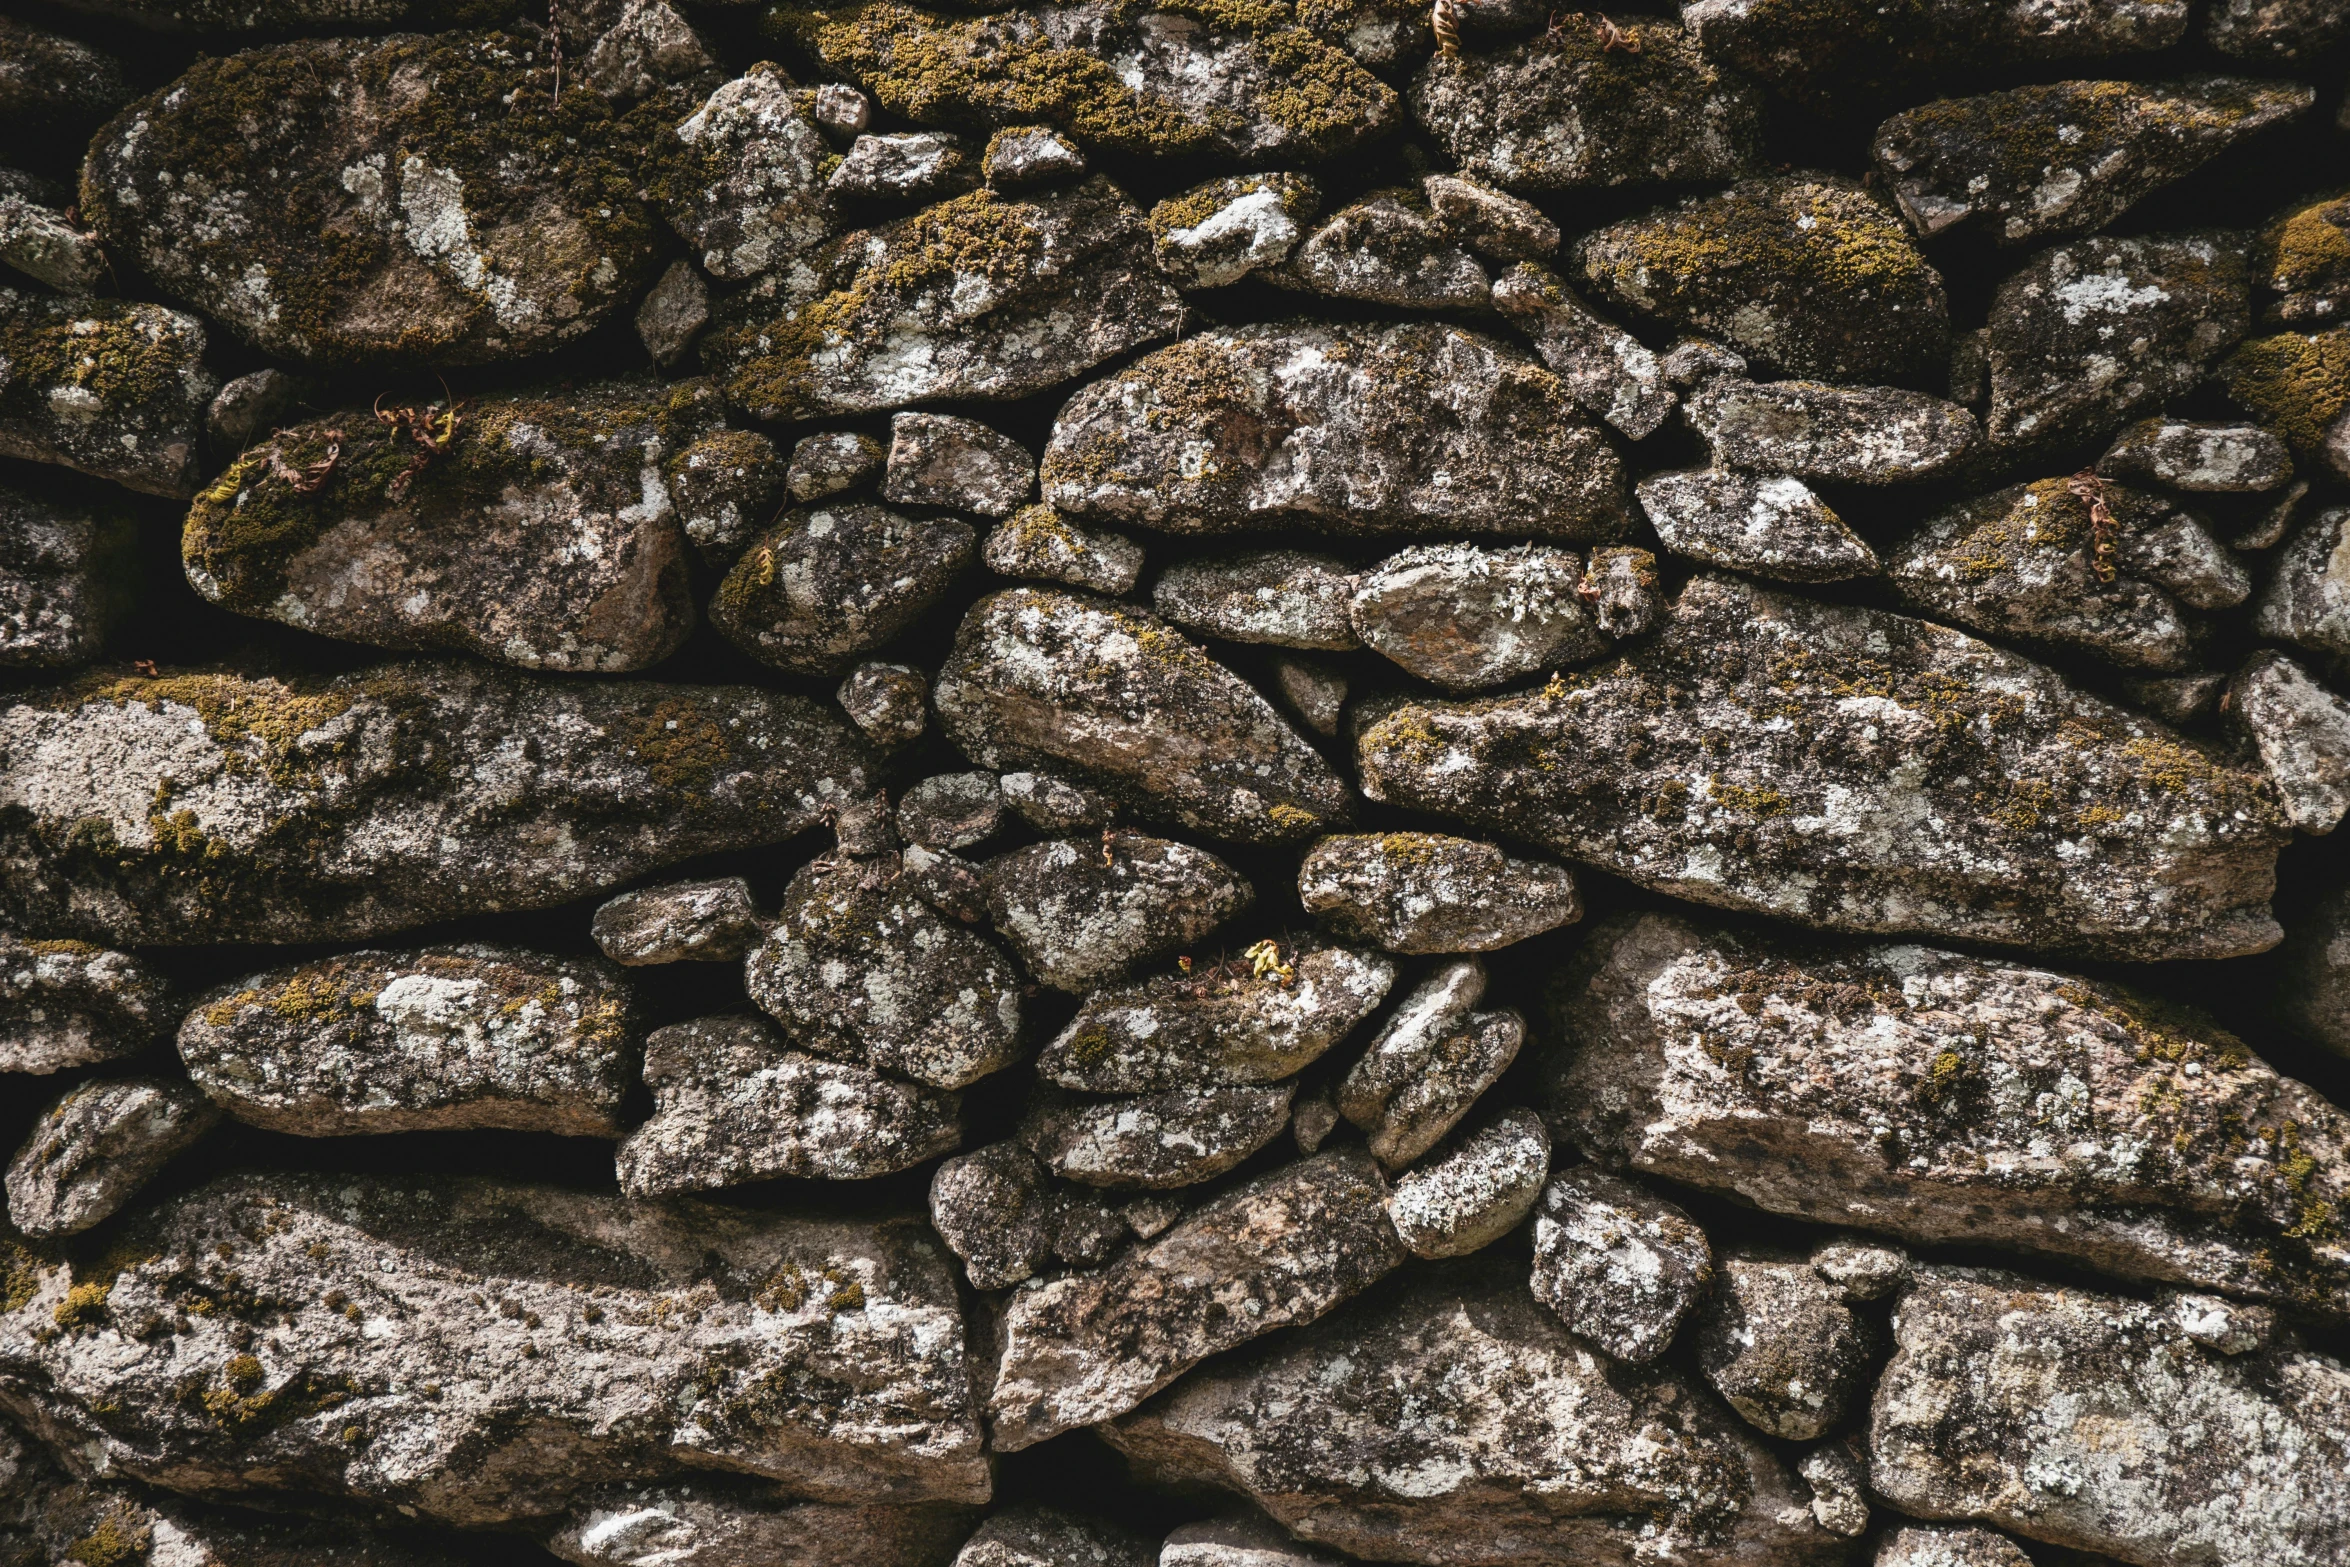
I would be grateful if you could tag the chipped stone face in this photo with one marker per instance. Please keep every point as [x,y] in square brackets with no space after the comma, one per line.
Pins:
[106,387]
[731,1104]
[1039,543]
[987,296]
[647,46]
[339,218]
[68,577]
[1767,525]
[1030,155]
[443,1037]
[546,536]
[742,182]
[904,165]
[348,806]
[702,1523]
[2186,454]
[1288,598]
[1471,1195]
[92,1150]
[1838,1477]
[2301,731]
[1080,913]
[1620,1265]
[67,1004]
[952,811]
[1429,1064]
[1387,249]
[2303,257]
[1926,1545]
[1245,1540]
[939,460]
[1279,1251]
[1469,619]
[1490,1433]
[1315,691]
[1419,429]
[1843,434]
[1430,892]
[38,240]
[1564,111]
[1828,764]
[1176,1137]
[2011,1402]
[1493,223]
[711,921]
[1220,1023]
[1040,678]
[1218,233]
[1605,369]
[1783,1346]
[1048,1537]
[573,1339]
[1951,1100]
[825,584]
[890,703]
[2308,599]
[673,314]
[2058,160]
[1620,584]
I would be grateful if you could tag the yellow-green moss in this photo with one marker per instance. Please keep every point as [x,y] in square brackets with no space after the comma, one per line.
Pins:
[2296,383]
[127,355]
[2308,248]
[121,1536]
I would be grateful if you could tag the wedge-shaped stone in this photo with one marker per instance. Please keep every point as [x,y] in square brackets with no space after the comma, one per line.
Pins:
[1953,1100]
[1282,1250]
[2093,1421]
[1057,681]
[2308,599]
[214,807]
[104,386]
[1453,1420]
[1842,434]
[1857,770]
[1421,429]
[476,1353]
[1176,1137]
[68,1003]
[1428,892]
[93,1149]
[1771,525]
[2195,455]
[1619,1264]
[1607,371]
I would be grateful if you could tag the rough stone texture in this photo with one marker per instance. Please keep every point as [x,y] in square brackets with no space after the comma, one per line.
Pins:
[1842,758]
[545,536]
[316,230]
[673,314]
[1281,1250]
[1429,892]
[1807,276]
[1454,1421]
[1218,233]
[2304,258]
[67,1003]
[1468,618]
[743,183]
[900,165]
[49,82]
[1219,1023]
[68,575]
[1844,434]
[2090,1421]
[952,811]
[1287,598]
[985,296]
[1620,1265]
[1176,1137]
[573,1340]
[1838,1476]
[890,703]
[1474,1193]
[2274,32]
[1315,691]
[1428,1065]
[2297,384]
[939,460]
[2184,454]
[710,921]
[1765,525]
[826,584]
[994,1210]
[1605,369]
[1030,155]
[2308,599]
[1783,1346]
[1952,1100]
[2056,161]
[2024,563]
[111,388]
[2313,996]
[1079,914]
[1040,678]
[731,1104]
[2301,731]
[828,463]
[701,1523]
[1387,249]
[1347,429]
[92,1150]
[1565,111]
[1494,223]
[443,1037]
[1053,804]
[1927,1545]
[252,405]
[1048,1537]
[1247,1540]
[41,242]
[1039,543]
[721,485]
[1620,584]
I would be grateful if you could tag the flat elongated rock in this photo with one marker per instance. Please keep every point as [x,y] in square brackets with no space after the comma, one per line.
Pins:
[1857,770]
[1467,618]
[444,1037]
[1048,1537]
[1807,276]
[938,460]
[39,240]
[1176,1137]
[2186,454]
[1387,249]
[952,811]
[1606,370]
[1843,434]
[1081,913]
[2307,601]
[699,1523]
[1218,233]
[1924,1545]
[1619,1264]
[2054,161]
[1957,1100]
[52,82]
[1246,1540]
[498,1349]
[105,386]
[416,199]
[1287,598]
[826,584]
[308,809]
[731,1105]
[704,921]
[901,165]
[831,462]
[2014,1402]
[1495,224]
[1421,429]
[1783,1346]
[743,182]
[1428,892]
[1769,525]
[67,1004]
[985,296]
[547,535]
[1471,1195]
[1220,1023]
[1282,1250]
[1455,1421]
[92,1150]
[1046,679]
[1566,111]
[68,577]
[1039,543]
[2301,731]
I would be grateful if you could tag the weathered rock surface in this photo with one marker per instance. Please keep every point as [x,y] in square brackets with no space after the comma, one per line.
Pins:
[1429,1063]
[1045,679]
[105,386]
[721,485]
[995,1210]
[1388,249]
[49,82]
[415,199]
[2304,258]
[1843,434]
[831,462]
[1468,618]
[2297,384]
[1783,1346]
[1472,1194]
[1247,1540]
[2091,1421]
[1494,223]
[939,460]
[470,1036]
[1619,1264]
[1282,1250]
[1219,1023]
[68,577]
[1422,429]
[1039,543]
[1030,155]
[2301,732]
[2308,599]
[2058,160]
[1051,803]
[545,535]
[1766,525]
[673,313]
[701,1523]
[216,807]
[1218,233]
[1605,369]
[1925,1545]
[2313,999]
[1288,598]
[251,405]
[984,296]
[710,921]
[826,584]
[1455,1421]
[1176,1137]
[1620,583]
[1429,892]
[1951,1099]
[37,239]
[952,811]
[1048,1537]
[2185,454]
[92,1150]
[497,1349]
[1807,276]
[903,165]
[731,1104]
[1080,914]
[1838,1477]
[1833,765]
[743,180]
[2274,32]
[890,703]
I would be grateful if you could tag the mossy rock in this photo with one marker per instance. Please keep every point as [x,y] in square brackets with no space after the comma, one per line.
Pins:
[105,386]
[2295,383]
[2304,257]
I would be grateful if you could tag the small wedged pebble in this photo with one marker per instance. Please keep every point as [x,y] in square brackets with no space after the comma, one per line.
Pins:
[1387,248]
[1620,1265]
[1606,370]
[1620,583]
[2301,732]
[825,584]
[1470,1195]
[1428,1066]
[1037,542]
[1080,913]
[827,463]
[940,460]
[1469,618]
[1287,598]
[1770,525]
[1175,1137]
[91,1151]
[1783,1345]
[1843,434]
[1315,691]
[1838,1476]
[2186,454]
[42,243]
[951,811]
[708,1523]
[996,1211]
[903,165]
[65,1004]
[711,921]
[673,314]
[1418,892]
[1218,233]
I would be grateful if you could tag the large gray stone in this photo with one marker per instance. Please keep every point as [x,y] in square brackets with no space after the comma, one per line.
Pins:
[824,585]
[1619,1264]
[1429,892]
